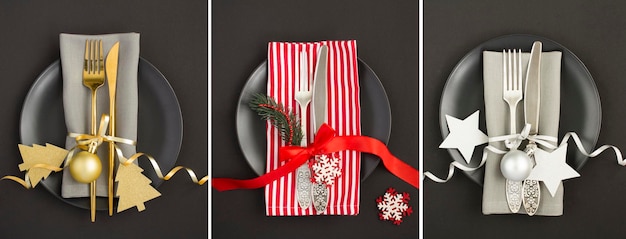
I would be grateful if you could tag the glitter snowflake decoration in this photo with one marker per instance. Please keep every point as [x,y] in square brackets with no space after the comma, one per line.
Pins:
[393,206]
[325,168]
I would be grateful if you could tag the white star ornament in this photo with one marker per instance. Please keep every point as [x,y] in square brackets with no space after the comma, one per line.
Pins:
[551,168]
[464,135]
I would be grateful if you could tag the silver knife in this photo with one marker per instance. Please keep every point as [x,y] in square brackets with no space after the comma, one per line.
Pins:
[318,106]
[530,189]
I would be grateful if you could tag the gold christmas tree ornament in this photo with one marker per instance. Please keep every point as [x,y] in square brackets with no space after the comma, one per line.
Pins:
[133,188]
[39,161]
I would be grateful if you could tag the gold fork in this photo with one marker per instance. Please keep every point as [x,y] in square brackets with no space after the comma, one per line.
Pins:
[93,78]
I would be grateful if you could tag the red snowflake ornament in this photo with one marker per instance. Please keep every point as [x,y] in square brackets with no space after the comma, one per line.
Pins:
[393,206]
[325,169]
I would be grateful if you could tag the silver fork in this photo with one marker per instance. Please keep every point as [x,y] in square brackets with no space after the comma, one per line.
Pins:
[512,87]
[303,97]
[512,94]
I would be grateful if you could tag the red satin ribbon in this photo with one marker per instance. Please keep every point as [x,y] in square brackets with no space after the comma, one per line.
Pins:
[325,142]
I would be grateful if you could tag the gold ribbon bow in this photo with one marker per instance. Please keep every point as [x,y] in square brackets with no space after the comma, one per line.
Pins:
[88,141]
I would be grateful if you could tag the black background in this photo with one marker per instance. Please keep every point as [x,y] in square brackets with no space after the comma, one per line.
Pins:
[174,38]
[594,31]
[387,37]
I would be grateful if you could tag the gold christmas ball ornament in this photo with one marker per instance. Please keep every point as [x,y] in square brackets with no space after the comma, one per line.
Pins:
[85,167]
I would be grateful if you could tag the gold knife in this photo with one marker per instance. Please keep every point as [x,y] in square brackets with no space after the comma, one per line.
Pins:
[111,74]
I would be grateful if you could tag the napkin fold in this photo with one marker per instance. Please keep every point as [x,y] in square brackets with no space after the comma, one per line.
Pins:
[343,116]
[77,100]
[497,114]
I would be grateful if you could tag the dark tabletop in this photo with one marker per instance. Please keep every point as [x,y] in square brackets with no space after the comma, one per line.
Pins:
[594,31]
[174,37]
[386,35]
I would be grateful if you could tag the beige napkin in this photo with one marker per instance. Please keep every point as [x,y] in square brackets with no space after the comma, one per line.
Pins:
[497,114]
[77,100]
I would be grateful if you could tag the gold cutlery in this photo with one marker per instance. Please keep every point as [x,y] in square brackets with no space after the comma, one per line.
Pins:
[93,78]
[111,73]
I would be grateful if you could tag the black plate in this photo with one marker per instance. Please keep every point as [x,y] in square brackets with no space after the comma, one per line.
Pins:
[160,122]
[580,103]
[375,118]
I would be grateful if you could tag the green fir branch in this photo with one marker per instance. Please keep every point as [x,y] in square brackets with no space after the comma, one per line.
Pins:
[285,121]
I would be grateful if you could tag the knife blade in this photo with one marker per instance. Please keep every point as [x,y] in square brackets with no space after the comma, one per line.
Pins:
[533,83]
[318,106]
[318,103]
[532,98]
[111,74]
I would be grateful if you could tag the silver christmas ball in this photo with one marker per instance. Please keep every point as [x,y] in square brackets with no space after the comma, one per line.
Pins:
[516,165]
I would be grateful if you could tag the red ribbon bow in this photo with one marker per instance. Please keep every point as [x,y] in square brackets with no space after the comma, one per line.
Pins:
[325,142]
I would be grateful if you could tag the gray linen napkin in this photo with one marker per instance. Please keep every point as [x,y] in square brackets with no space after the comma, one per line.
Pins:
[77,100]
[497,114]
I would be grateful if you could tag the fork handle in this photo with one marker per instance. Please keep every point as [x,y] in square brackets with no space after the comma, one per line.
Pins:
[92,200]
[303,173]
[513,121]
[303,125]
[92,185]
[93,112]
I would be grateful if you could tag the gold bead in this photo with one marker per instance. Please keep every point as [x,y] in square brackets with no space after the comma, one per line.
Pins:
[85,167]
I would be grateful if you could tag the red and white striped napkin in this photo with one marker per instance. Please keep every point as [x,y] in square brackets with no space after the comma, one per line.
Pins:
[343,116]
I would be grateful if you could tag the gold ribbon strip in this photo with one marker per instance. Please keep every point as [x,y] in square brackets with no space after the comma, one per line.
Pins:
[157,169]
[26,181]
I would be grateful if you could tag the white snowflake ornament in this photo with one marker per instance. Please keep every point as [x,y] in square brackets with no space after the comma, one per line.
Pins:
[393,206]
[326,168]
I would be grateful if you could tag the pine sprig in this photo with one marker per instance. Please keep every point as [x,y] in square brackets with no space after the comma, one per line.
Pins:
[285,121]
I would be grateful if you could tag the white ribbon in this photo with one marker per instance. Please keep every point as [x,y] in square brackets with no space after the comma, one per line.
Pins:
[618,154]
[548,142]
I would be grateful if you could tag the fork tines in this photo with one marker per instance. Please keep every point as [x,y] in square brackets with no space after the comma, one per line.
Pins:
[304,74]
[512,65]
[94,57]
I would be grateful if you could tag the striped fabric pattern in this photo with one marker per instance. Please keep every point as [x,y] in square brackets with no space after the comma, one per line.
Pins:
[343,116]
